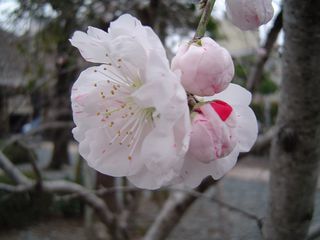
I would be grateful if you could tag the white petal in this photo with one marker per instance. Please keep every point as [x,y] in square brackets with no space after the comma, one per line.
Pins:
[161,84]
[123,25]
[154,44]
[111,160]
[91,48]
[98,34]
[247,128]
[233,95]
[127,25]
[152,180]
[129,56]
[193,171]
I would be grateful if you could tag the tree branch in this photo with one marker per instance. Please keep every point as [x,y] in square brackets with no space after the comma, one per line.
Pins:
[172,211]
[257,70]
[24,185]
[13,172]
[41,128]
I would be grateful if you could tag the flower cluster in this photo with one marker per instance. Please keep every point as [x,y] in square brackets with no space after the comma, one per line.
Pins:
[131,111]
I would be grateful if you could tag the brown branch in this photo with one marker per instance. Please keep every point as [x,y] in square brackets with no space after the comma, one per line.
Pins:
[13,172]
[172,211]
[92,200]
[25,185]
[34,165]
[257,70]
[41,128]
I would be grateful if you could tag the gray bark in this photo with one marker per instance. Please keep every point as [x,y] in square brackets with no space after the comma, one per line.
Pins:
[295,149]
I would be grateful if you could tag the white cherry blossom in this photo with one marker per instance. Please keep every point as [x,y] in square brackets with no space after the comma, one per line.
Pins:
[131,112]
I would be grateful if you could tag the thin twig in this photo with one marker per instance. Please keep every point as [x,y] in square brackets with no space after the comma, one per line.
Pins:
[205,17]
[41,128]
[257,70]
[34,165]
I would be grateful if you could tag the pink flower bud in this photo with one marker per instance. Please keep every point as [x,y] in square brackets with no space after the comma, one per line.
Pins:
[212,134]
[206,67]
[249,14]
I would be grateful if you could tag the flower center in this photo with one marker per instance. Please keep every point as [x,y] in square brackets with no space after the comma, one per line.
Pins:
[126,120]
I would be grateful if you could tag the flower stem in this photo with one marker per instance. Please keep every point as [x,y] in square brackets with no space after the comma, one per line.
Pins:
[201,29]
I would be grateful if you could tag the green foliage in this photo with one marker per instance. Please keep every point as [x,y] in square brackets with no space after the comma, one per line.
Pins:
[240,75]
[267,86]
[213,29]
[71,208]
[242,69]
[258,110]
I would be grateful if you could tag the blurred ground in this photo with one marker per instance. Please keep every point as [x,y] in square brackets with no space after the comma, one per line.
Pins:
[244,187]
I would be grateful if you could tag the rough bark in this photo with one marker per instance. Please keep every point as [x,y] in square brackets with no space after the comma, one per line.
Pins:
[295,149]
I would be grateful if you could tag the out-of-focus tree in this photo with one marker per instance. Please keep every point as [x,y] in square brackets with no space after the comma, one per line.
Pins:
[295,151]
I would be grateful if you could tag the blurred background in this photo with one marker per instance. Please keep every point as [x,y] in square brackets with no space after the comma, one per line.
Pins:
[38,66]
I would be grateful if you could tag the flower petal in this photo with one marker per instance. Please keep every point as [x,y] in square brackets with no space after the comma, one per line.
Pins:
[247,128]
[91,48]
[193,171]
[233,95]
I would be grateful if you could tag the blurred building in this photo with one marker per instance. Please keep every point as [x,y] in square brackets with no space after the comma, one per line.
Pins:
[239,43]
[15,106]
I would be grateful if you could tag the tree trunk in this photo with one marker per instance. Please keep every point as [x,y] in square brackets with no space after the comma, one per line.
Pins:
[295,150]
[4,115]
[61,106]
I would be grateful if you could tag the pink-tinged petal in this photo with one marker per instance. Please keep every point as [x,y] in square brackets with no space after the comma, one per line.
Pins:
[249,14]
[206,68]
[211,137]
[218,136]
